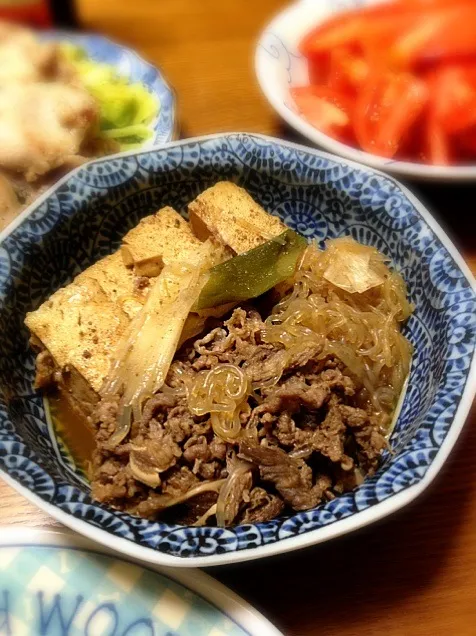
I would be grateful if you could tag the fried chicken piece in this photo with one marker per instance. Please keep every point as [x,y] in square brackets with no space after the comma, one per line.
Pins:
[9,204]
[43,125]
[25,59]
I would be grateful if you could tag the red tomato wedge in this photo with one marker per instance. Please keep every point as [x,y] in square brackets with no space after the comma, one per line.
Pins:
[347,70]
[467,142]
[344,26]
[380,20]
[446,33]
[354,31]
[385,111]
[454,98]
[437,144]
[324,108]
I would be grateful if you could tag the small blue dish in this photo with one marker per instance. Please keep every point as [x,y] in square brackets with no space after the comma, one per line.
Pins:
[83,219]
[133,67]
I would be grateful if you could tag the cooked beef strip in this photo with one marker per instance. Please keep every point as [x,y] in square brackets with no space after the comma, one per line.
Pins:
[291,478]
[310,436]
[179,481]
[262,507]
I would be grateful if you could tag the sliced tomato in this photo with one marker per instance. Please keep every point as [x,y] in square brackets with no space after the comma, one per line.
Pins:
[418,5]
[319,67]
[324,108]
[396,78]
[436,141]
[438,144]
[467,143]
[357,28]
[351,25]
[444,34]
[348,70]
[386,108]
[454,98]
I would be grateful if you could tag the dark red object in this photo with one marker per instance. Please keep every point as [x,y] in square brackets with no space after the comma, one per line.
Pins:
[39,13]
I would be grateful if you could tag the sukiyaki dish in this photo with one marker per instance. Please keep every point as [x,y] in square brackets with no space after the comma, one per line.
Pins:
[226,369]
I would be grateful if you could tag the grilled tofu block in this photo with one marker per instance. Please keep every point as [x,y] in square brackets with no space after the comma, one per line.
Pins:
[159,240]
[117,281]
[81,324]
[80,327]
[228,213]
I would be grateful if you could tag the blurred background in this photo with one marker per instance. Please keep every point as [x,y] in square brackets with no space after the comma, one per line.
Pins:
[204,48]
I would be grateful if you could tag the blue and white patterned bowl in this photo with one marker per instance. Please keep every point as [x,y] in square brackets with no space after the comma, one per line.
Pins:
[130,65]
[279,65]
[83,219]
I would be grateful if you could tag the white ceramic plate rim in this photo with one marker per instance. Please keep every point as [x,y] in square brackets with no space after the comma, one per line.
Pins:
[268,85]
[226,601]
[354,522]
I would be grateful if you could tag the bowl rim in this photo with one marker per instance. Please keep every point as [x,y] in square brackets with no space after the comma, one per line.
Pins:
[358,520]
[420,171]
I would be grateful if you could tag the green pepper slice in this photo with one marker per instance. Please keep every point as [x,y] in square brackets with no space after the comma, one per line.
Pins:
[253,273]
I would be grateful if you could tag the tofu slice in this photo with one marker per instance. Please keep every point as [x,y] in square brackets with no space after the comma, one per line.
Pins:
[80,326]
[228,212]
[159,240]
[117,281]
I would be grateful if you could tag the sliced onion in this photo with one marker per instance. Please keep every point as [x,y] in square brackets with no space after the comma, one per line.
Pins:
[237,468]
[166,501]
[201,521]
[150,478]
[123,427]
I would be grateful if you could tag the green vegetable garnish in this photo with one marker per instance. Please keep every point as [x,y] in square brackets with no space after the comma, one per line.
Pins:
[253,273]
[126,110]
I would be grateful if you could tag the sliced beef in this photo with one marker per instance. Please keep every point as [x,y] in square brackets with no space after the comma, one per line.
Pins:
[157,407]
[104,420]
[196,449]
[285,430]
[217,448]
[328,439]
[262,507]
[292,396]
[292,480]
[189,513]
[179,423]
[114,483]
[154,455]
[178,481]
[368,437]
[306,439]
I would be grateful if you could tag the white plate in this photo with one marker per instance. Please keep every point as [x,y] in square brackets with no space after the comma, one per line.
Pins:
[54,582]
[279,66]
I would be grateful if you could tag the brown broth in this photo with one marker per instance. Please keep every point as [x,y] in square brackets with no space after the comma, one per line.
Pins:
[73,430]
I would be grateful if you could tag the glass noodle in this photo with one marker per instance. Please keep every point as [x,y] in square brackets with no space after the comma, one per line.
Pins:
[320,307]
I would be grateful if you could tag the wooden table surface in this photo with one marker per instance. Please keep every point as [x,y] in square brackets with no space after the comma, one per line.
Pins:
[415,573]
